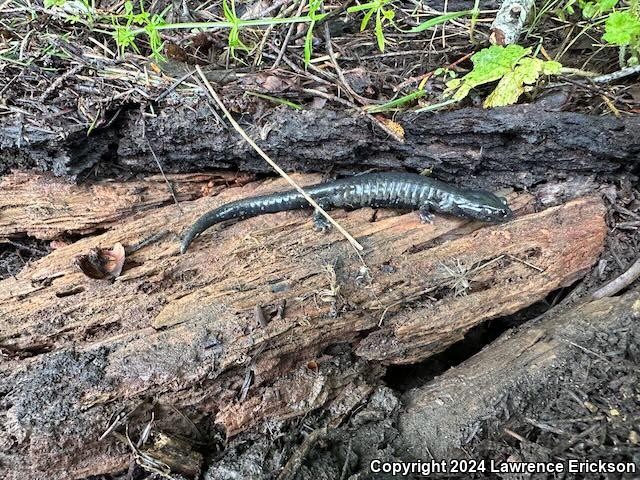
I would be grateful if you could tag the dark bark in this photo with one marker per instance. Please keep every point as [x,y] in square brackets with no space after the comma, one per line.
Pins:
[517,146]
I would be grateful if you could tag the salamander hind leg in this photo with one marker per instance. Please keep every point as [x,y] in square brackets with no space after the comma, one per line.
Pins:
[320,224]
[425,215]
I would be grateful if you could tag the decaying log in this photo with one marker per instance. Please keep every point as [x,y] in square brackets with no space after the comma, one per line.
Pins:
[181,329]
[506,377]
[46,207]
[512,146]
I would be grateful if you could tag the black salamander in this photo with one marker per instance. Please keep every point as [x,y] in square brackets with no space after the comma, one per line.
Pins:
[377,190]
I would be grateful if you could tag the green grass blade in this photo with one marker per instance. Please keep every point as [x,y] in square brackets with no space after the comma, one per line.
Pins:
[436,106]
[279,101]
[398,102]
[432,22]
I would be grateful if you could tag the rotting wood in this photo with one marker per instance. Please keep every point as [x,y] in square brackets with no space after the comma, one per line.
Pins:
[515,146]
[181,328]
[504,379]
[46,207]
[509,21]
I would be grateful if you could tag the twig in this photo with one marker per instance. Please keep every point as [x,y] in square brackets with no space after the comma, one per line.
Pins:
[531,265]
[145,241]
[173,86]
[58,81]
[213,110]
[402,301]
[303,74]
[270,9]
[275,166]
[169,186]
[574,439]
[610,77]
[586,350]
[287,11]
[623,281]
[509,21]
[426,76]
[345,465]
[515,435]
[287,37]
[334,61]
[34,251]
[326,19]
[294,463]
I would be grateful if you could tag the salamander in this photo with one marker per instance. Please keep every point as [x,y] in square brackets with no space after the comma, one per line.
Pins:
[377,190]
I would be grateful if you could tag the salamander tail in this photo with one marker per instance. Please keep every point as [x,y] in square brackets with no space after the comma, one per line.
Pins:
[204,222]
[187,239]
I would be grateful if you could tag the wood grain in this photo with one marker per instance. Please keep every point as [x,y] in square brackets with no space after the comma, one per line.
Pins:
[46,207]
[181,329]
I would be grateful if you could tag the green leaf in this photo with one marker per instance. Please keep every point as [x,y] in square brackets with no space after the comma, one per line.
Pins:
[364,6]
[606,5]
[314,6]
[379,33]
[365,19]
[511,65]
[54,3]
[382,15]
[125,38]
[621,28]
[489,65]
[308,43]
[432,22]
[512,85]
[280,101]
[589,10]
[551,68]
[594,9]
[398,102]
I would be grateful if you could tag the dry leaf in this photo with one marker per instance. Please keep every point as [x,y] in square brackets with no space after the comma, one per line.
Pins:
[102,263]
[395,127]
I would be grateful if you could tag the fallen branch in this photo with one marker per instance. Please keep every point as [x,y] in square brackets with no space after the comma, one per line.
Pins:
[623,281]
[509,21]
[181,329]
[523,364]
[475,148]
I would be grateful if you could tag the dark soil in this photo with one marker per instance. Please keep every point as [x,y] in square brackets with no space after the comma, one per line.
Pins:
[16,254]
[595,414]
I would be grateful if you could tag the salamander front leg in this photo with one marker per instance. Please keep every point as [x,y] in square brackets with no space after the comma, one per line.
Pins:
[425,215]
[320,224]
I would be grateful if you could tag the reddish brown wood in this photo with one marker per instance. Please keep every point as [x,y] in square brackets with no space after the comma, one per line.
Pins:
[181,329]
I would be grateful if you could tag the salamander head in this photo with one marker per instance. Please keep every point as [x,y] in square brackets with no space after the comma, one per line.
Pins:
[484,206]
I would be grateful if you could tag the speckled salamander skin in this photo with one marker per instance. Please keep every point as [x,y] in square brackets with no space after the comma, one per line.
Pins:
[377,190]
